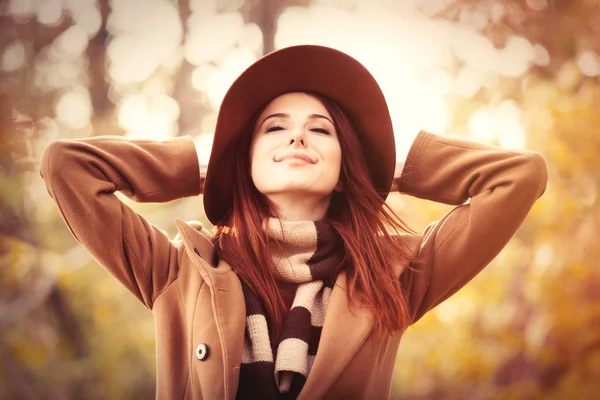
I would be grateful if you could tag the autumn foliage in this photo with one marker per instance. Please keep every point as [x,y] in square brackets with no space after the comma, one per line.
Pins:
[528,327]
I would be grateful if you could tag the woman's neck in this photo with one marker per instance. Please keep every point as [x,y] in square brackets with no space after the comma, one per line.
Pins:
[291,207]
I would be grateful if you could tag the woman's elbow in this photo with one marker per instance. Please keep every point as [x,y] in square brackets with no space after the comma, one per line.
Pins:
[532,176]
[539,173]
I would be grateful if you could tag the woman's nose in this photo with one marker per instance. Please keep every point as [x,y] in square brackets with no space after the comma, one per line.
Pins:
[298,139]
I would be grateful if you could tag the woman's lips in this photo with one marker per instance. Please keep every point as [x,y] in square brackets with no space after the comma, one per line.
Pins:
[297,157]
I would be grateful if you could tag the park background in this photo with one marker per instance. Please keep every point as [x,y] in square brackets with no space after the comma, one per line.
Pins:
[514,73]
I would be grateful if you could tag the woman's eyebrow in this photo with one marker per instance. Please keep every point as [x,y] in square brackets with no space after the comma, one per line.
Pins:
[315,116]
[284,115]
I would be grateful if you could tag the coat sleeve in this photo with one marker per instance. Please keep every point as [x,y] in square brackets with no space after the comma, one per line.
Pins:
[493,190]
[82,177]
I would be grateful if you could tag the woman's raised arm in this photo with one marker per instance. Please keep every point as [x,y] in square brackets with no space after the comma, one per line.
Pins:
[82,175]
[500,186]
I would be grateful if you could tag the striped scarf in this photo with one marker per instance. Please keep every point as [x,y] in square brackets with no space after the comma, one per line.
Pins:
[309,254]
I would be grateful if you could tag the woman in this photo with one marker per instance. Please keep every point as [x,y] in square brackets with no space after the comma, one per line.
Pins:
[308,282]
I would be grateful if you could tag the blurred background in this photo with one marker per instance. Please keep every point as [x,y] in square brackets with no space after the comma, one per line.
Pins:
[520,73]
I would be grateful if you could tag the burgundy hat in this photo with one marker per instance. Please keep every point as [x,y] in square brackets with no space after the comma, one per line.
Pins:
[309,68]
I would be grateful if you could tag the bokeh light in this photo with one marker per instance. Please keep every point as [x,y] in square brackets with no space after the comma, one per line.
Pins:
[13,57]
[146,36]
[50,12]
[234,62]
[417,80]
[211,37]
[152,116]
[203,145]
[74,108]
[17,7]
[512,74]
[589,63]
[203,75]
[499,125]
[72,43]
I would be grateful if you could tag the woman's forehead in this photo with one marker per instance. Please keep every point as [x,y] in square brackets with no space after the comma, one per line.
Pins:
[295,102]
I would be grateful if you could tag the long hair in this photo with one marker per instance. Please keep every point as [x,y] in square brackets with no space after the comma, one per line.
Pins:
[371,234]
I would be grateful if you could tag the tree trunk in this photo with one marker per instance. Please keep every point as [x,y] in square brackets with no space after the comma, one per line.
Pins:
[191,111]
[103,108]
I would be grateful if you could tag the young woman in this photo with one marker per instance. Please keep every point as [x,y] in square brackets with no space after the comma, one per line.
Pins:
[308,281]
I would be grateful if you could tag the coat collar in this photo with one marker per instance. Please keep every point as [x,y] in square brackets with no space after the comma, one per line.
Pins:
[345,328]
[227,300]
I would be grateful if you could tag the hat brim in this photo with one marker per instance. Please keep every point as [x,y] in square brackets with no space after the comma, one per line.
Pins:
[305,68]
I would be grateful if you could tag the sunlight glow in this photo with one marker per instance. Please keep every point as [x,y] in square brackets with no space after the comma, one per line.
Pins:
[128,65]
[589,63]
[421,80]
[417,80]
[251,38]
[89,19]
[145,117]
[481,125]
[204,7]
[147,34]
[455,308]
[509,128]
[209,38]
[86,14]
[13,57]
[202,76]
[74,108]
[21,7]
[50,12]
[235,61]
[203,146]
[75,5]
[72,42]
[541,57]
[502,123]
[132,111]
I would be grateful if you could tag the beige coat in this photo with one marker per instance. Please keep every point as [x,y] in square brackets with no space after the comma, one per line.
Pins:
[196,303]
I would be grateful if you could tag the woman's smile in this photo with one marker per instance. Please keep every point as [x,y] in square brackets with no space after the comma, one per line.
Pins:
[296,156]
[295,161]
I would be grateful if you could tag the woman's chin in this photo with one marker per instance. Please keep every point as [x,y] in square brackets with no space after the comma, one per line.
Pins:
[297,188]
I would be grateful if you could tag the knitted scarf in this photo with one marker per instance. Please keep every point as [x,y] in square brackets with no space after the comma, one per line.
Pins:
[309,254]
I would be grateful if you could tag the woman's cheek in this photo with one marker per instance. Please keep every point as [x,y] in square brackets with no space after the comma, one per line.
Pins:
[261,173]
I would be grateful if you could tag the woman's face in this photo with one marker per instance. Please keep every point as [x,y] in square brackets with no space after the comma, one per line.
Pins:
[295,148]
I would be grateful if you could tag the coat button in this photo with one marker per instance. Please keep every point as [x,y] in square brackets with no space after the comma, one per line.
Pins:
[201,352]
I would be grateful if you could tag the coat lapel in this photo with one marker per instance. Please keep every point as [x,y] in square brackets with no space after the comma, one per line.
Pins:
[345,327]
[227,302]
[344,330]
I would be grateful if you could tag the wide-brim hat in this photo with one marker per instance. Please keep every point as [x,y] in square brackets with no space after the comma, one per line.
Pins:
[305,68]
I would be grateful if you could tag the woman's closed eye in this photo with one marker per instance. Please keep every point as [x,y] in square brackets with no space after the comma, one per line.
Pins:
[320,130]
[275,128]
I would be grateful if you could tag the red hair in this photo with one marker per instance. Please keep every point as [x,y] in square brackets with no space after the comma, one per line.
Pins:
[368,230]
